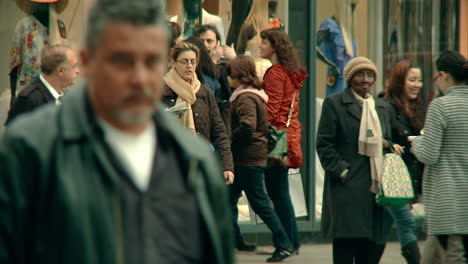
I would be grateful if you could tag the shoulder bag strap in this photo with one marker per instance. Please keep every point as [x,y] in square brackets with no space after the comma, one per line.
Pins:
[291,109]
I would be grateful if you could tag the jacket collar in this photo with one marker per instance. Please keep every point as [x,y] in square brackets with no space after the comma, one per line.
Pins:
[79,121]
[40,86]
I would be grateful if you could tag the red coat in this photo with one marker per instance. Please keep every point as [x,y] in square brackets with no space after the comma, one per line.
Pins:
[280,85]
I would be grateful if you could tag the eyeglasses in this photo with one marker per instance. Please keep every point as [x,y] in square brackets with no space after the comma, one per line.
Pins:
[436,76]
[186,62]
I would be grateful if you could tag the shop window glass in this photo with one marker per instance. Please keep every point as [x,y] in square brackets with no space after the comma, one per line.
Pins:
[418,31]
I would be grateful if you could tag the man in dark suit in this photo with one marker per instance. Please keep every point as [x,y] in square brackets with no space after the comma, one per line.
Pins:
[59,69]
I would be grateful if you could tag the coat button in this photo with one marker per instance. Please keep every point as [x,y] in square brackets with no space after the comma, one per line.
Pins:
[196,114]
[406,131]
[172,100]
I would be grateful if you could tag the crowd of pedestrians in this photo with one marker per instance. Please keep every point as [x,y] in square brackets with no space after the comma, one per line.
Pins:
[107,174]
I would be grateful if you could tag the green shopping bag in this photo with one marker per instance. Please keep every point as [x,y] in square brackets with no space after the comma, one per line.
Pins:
[396,187]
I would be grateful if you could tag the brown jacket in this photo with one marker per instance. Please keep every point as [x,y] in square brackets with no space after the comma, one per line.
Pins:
[208,122]
[249,122]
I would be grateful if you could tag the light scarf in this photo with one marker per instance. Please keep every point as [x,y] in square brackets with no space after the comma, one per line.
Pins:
[186,92]
[370,139]
[248,89]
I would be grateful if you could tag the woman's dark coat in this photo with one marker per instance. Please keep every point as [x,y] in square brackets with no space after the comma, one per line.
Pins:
[208,122]
[401,129]
[349,208]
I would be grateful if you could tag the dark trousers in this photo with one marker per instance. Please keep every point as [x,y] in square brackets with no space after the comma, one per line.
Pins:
[443,240]
[353,250]
[251,181]
[277,185]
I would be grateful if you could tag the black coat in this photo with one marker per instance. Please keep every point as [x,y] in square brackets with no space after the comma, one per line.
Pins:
[349,209]
[30,98]
[401,129]
[208,122]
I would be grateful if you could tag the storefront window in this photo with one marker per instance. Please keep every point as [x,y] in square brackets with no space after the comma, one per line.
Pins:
[418,31]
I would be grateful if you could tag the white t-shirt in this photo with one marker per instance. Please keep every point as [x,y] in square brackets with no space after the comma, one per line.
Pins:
[136,152]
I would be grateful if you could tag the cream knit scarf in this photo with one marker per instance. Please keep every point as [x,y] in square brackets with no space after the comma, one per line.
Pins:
[370,139]
[186,92]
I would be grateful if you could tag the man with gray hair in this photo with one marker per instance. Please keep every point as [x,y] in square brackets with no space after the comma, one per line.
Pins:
[59,69]
[109,176]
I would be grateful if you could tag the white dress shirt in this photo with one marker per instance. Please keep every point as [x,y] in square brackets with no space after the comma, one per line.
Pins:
[51,89]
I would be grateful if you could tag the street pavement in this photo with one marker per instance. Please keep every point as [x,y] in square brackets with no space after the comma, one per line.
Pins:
[313,253]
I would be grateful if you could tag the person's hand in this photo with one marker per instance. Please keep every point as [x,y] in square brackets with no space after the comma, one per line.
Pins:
[228,52]
[384,144]
[229,176]
[398,149]
[216,54]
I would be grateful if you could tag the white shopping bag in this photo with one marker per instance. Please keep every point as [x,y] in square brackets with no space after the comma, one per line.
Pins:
[296,190]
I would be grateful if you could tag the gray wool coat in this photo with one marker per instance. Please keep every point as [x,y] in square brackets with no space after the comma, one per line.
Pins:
[349,209]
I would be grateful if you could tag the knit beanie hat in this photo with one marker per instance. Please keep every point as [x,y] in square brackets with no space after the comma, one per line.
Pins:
[357,64]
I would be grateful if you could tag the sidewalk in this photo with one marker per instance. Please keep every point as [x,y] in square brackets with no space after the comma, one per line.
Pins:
[321,254]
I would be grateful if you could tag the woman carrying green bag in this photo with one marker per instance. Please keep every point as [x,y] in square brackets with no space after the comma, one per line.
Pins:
[282,82]
[407,113]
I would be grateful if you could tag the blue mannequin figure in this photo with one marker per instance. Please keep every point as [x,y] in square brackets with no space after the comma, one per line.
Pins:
[331,49]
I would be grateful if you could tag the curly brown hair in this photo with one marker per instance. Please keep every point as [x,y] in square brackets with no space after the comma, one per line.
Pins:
[283,48]
[415,109]
[242,68]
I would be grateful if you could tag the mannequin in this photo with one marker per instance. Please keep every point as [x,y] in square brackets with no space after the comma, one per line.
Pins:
[240,11]
[207,18]
[249,37]
[336,45]
[24,54]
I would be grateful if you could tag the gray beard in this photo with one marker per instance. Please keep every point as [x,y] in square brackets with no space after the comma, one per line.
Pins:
[130,118]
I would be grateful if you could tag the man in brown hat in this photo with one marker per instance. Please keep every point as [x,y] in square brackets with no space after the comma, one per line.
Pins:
[350,140]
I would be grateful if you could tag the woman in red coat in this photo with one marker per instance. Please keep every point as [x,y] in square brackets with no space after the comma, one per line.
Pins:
[282,82]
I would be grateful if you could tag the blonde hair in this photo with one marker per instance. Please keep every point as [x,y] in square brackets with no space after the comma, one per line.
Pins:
[258,15]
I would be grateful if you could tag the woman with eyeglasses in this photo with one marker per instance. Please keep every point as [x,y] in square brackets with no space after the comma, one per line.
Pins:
[215,78]
[407,113]
[202,115]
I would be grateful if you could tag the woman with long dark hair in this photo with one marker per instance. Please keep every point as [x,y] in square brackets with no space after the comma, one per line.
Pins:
[407,114]
[282,82]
